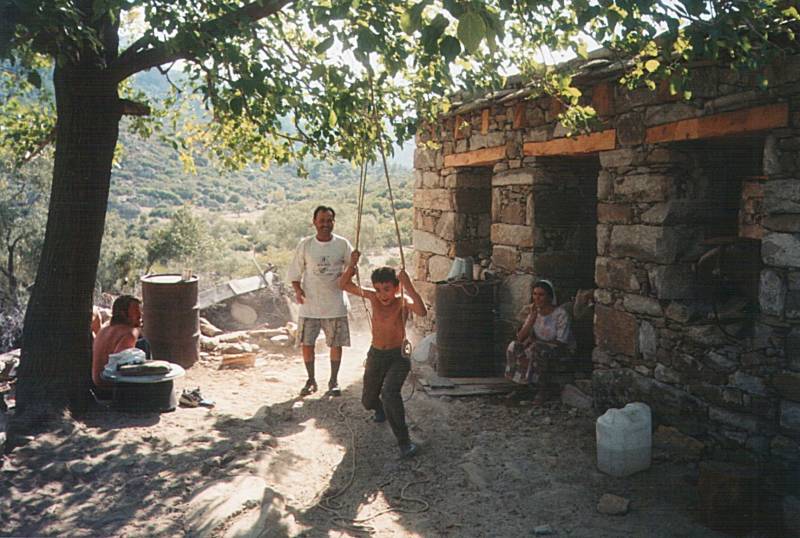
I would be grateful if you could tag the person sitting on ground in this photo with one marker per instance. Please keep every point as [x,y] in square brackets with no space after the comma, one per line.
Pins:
[546,334]
[122,332]
[386,367]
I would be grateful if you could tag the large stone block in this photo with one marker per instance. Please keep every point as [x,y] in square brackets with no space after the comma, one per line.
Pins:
[512,234]
[616,274]
[781,196]
[424,158]
[428,242]
[648,340]
[439,199]
[615,330]
[639,304]
[516,176]
[643,187]
[732,419]
[675,212]
[620,157]
[446,226]
[631,129]
[509,206]
[788,385]
[790,416]
[787,223]
[614,213]
[772,293]
[792,305]
[660,244]
[781,250]
[505,258]
[472,200]
[672,281]
[668,113]
[438,268]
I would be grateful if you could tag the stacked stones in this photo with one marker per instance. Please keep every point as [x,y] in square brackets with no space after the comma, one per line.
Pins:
[722,365]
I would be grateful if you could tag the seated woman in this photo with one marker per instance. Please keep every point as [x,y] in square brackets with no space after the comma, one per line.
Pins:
[546,334]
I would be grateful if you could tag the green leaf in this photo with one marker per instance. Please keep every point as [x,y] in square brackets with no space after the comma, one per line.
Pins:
[332,118]
[651,65]
[236,104]
[367,41]
[581,50]
[324,45]
[471,31]
[450,48]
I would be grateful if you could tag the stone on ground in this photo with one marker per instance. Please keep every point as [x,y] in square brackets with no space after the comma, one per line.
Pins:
[613,505]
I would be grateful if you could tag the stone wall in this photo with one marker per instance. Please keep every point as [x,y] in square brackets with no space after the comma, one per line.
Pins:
[683,215]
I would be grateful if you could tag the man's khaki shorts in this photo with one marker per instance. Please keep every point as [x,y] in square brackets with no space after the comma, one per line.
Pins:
[337,331]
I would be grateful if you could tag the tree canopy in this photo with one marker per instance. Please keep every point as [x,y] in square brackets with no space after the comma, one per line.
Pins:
[278,80]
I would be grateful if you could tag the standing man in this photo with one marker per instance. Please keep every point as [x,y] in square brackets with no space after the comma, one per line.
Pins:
[314,273]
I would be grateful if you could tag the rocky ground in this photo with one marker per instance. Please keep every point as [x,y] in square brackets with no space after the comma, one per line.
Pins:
[264,462]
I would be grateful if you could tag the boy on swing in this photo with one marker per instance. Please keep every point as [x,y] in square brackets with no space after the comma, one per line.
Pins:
[386,368]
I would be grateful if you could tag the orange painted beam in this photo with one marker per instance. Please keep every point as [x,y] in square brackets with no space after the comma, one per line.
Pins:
[478,157]
[760,118]
[485,121]
[579,145]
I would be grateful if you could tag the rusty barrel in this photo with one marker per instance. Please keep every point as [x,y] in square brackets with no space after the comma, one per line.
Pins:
[171,318]
[465,329]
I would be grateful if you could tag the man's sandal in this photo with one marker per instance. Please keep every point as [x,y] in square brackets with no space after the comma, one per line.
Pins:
[309,388]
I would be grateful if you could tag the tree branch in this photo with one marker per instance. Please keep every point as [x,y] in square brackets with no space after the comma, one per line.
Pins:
[172,50]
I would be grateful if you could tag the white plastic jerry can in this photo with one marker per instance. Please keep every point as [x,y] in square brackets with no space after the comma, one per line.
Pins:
[624,440]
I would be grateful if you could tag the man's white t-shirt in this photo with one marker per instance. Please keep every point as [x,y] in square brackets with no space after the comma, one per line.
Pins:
[317,265]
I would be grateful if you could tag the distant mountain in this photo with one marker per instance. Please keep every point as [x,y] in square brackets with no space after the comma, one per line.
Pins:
[151,178]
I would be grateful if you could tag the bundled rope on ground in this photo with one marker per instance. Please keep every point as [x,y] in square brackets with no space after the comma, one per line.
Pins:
[328,503]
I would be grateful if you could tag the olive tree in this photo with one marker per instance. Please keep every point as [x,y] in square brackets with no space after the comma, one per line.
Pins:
[283,79]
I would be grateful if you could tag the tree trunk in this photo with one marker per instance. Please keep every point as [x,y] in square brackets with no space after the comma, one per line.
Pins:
[55,365]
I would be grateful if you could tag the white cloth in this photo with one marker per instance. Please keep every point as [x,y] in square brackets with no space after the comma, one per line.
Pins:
[132,355]
[317,265]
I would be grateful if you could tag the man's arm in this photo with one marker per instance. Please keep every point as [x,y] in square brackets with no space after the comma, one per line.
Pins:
[295,273]
[417,306]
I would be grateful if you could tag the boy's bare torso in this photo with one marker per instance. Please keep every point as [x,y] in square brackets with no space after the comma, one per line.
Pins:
[387,324]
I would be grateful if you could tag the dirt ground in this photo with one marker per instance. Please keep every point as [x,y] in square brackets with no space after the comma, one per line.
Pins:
[262,461]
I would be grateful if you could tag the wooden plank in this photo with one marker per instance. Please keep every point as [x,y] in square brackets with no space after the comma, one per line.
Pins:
[469,390]
[580,145]
[478,157]
[479,381]
[435,381]
[485,121]
[519,115]
[749,120]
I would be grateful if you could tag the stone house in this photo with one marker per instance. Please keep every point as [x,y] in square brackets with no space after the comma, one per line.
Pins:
[683,216]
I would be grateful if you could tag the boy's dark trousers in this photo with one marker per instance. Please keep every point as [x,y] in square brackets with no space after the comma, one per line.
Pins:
[384,374]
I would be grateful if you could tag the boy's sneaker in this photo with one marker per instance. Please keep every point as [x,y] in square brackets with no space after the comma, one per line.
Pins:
[189,398]
[408,450]
[310,388]
[333,389]
[380,416]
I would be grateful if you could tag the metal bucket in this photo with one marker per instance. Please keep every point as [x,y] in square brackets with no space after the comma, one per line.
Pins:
[465,329]
[171,318]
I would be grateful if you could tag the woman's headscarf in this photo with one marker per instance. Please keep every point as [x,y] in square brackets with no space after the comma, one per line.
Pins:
[547,285]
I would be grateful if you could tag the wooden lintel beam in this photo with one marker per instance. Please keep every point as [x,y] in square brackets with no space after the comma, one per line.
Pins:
[760,118]
[580,145]
[478,157]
